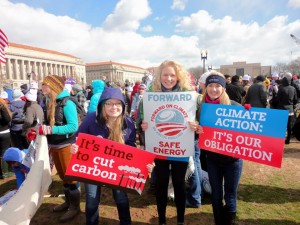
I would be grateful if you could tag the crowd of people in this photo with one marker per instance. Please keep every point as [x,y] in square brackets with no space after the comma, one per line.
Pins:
[279,91]
[119,114]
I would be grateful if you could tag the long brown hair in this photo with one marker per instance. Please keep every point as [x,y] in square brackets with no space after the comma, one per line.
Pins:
[51,108]
[116,132]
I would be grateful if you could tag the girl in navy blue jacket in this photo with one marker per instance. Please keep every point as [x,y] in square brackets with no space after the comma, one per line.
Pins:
[109,122]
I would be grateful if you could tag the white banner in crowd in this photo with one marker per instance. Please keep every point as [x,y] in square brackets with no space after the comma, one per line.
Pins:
[23,205]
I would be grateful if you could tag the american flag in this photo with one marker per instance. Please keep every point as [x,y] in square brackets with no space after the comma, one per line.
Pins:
[3,44]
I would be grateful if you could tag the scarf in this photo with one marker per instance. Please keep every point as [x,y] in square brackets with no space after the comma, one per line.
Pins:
[208,100]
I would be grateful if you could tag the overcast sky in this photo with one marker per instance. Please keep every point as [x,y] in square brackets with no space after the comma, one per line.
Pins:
[145,33]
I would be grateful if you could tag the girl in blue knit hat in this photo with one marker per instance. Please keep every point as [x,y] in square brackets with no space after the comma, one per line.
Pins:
[14,157]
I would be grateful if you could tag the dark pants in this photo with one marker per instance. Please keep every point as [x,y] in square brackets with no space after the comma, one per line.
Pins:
[289,128]
[178,170]
[18,140]
[4,145]
[230,173]
[93,193]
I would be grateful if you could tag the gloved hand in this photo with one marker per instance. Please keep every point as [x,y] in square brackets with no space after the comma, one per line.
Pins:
[31,134]
[45,130]
[247,106]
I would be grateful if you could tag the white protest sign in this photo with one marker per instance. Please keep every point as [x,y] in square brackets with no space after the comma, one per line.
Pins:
[167,113]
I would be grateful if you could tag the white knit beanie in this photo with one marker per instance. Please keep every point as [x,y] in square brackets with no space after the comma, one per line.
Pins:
[4,95]
[31,95]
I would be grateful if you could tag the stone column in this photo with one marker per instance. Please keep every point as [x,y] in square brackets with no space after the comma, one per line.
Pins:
[15,69]
[22,72]
[8,69]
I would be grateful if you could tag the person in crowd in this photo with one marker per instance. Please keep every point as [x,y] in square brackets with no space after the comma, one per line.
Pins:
[103,78]
[88,92]
[110,122]
[273,89]
[246,82]
[134,112]
[170,77]
[5,119]
[119,84]
[296,84]
[235,90]
[24,88]
[286,99]
[61,122]
[228,79]
[14,157]
[109,84]
[8,89]
[267,83]
[33,86]
[194,190]
[224,172]
[33,112]
[136,99]
[4,97]
[145,78]
[16,126]
[201,82]
[135,90]
[98,87]
[69,83]
[128,90]
[257,95]
[79,95]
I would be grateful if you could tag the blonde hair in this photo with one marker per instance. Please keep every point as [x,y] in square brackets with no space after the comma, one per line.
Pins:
[224,98]
[116,132]
[183,76]
[3,104]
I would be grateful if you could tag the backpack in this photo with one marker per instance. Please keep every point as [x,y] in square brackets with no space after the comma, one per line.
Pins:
[80,110]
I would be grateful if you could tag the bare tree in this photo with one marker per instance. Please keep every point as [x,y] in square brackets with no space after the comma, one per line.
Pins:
[196,71]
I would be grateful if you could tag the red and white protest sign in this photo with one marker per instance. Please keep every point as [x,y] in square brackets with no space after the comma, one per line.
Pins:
[101,161]
[256,135]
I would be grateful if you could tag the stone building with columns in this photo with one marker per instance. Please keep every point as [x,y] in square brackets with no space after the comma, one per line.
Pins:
[114,71]
[26,63]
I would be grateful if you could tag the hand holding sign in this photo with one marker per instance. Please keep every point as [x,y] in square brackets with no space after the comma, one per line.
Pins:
[74,148]
[194,126]
[144,125]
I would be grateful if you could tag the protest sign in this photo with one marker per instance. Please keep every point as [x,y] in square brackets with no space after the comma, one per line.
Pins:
[257,134]
[101,161]
[24,203]
[167,113]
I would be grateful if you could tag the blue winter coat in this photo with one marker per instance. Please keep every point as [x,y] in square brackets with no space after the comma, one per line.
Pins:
[17,155]
[16,107]
[98,87]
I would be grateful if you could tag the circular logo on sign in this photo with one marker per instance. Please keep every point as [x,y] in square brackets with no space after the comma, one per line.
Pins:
[169,123]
